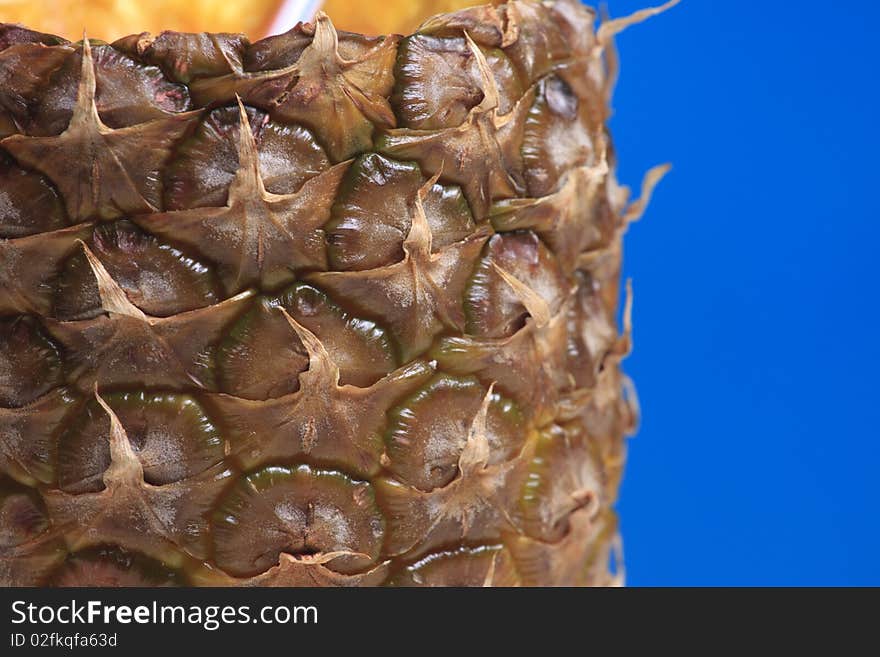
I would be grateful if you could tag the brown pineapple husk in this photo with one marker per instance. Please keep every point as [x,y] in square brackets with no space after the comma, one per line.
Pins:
[321,309]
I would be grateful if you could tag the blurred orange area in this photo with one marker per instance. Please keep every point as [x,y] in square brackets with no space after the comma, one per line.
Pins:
[389,16]
[111,19]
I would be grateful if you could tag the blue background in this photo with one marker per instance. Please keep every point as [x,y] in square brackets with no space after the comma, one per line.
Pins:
[755,293]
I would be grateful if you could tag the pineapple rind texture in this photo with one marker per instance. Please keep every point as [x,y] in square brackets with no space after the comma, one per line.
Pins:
[318,310]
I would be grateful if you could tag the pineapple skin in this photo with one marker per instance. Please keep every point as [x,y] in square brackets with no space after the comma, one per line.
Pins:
[321,309]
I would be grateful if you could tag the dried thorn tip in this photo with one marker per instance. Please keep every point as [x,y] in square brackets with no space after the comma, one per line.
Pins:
[113,298]
[85,110]
[124,464]
[420,238]
[654,175]
[610,28]
[618,578]
[326,39]
[248,174]
[489,580]
[631,399]
[534,303]
[489,86]
[628,309]
[475,455]
[320,558]
[320,362]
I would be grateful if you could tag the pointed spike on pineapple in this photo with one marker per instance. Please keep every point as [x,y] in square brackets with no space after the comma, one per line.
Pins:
[113,298]
[491,98]
[631,399]
[489,580]
[628,308]
[612,59]
[475,455]
[85,110]
[601,168]
[618,195]
[420,239]
[637,208]
[609,29]
[572,404]
[322,368]
[584,182]
[623,344]
[511,27]
[595,175]
[233,63]
[125,467]
[326,39]
[322,557]
[248,177]
[534,303]
[309,570]
[618,577]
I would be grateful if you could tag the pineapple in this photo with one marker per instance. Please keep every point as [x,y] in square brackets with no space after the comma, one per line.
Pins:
[321,309]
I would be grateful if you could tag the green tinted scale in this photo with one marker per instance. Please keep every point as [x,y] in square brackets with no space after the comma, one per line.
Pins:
[30,362]
[361,348]
[112,566]
[557,137]
[28,203]
[371,220]
[158,278]
[494,308]
[28,548]
[22,514]
[564,476]
[485,565]
[261,358]
[28,436]
[422,104]
[171,435]
[428,430]
[186,58]
[301,511]
[205,163]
